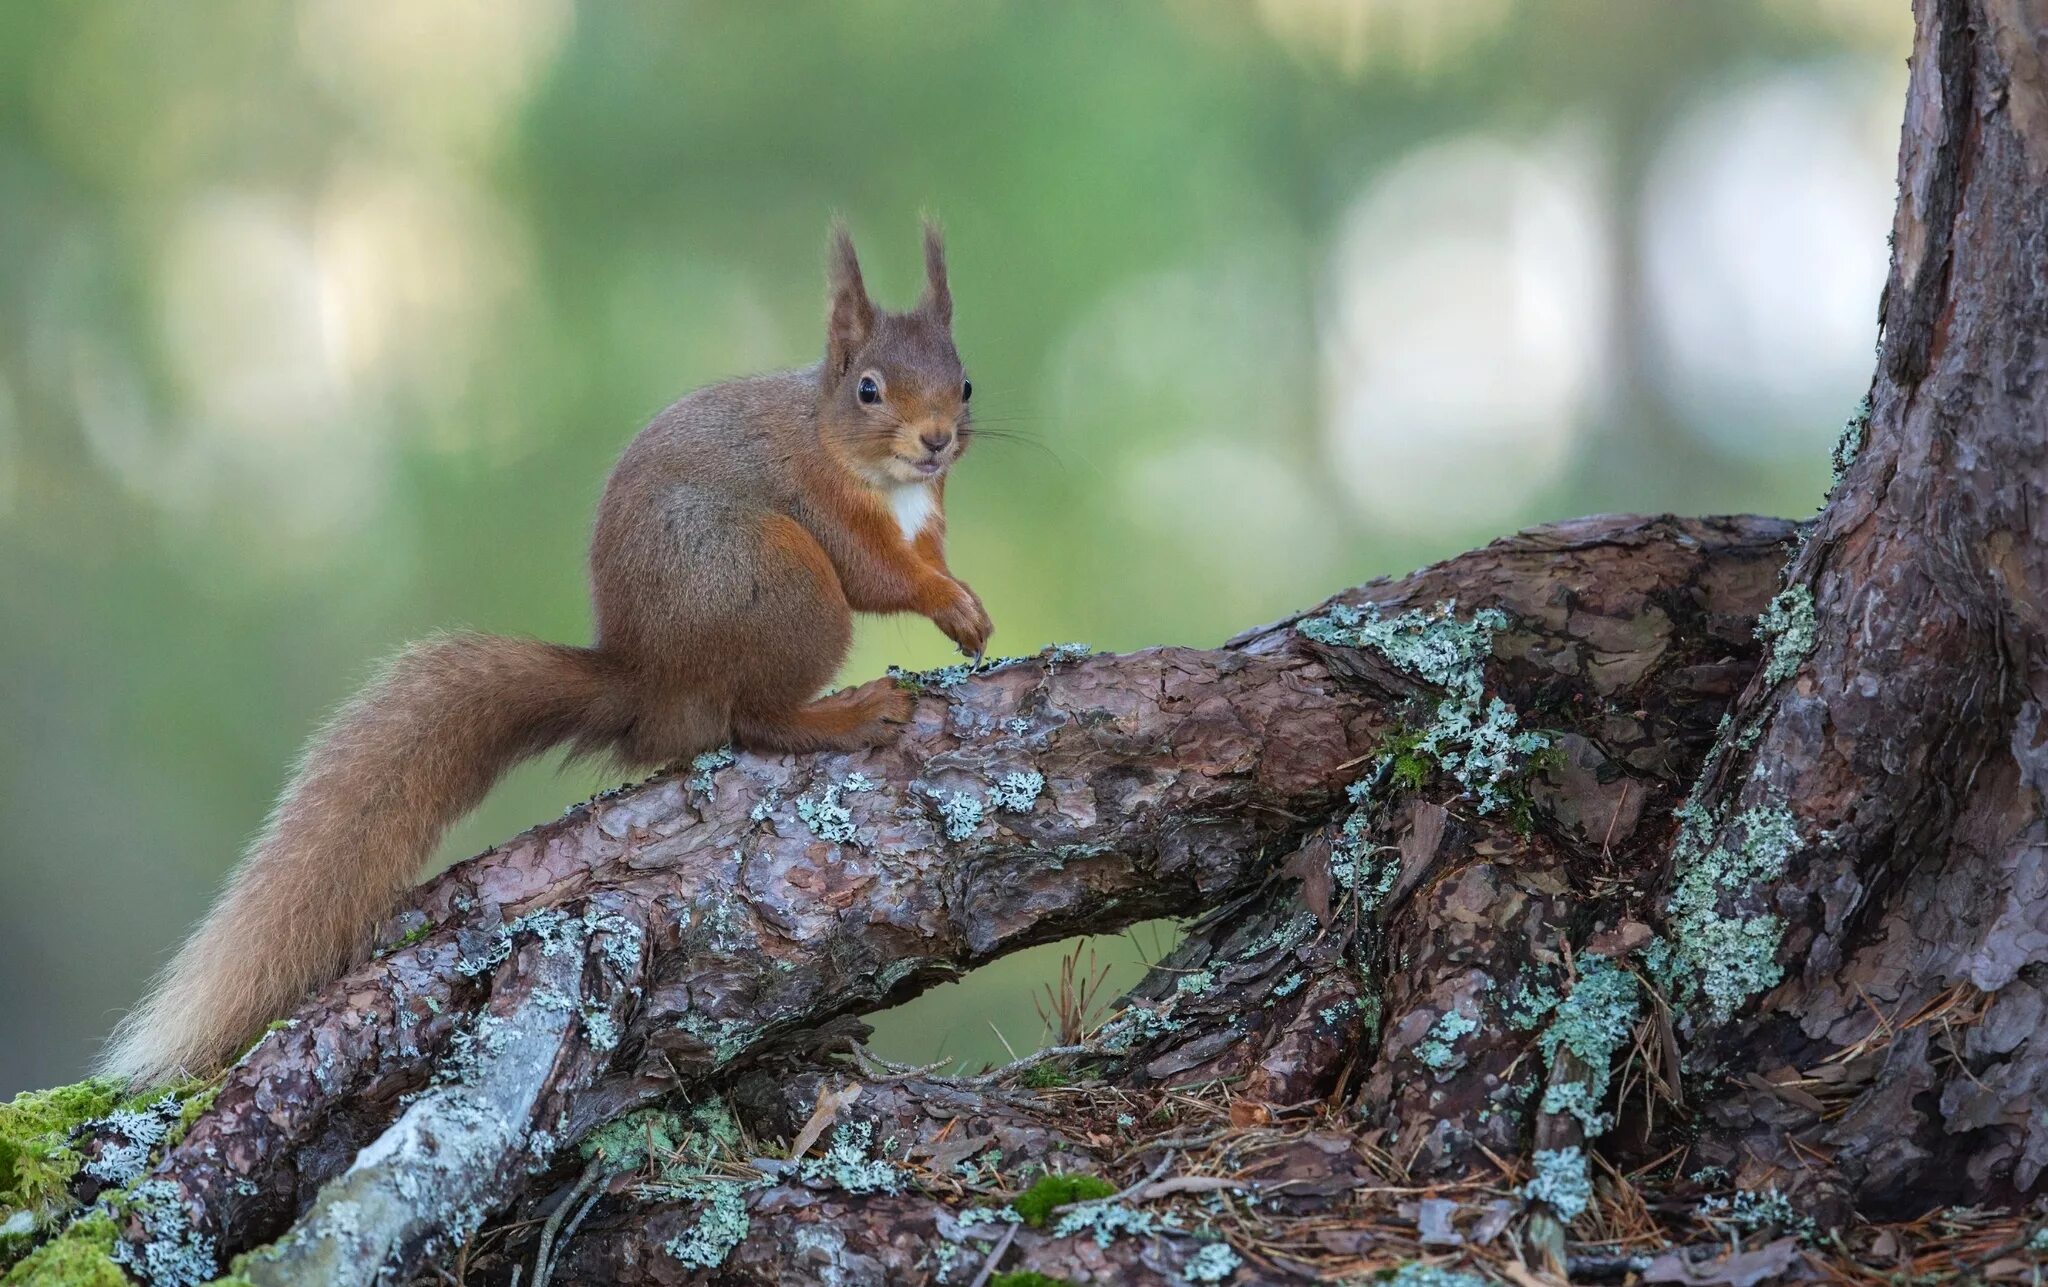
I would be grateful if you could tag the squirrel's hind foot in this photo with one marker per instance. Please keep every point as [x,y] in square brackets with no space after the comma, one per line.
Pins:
[865,716]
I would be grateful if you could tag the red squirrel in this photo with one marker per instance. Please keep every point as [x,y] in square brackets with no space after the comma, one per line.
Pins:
[737,535]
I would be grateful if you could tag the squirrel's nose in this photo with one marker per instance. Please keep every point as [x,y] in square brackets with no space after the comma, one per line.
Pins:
[935,441]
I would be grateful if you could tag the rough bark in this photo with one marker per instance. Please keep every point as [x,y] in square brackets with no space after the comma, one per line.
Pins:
[1907,744]
[666,936]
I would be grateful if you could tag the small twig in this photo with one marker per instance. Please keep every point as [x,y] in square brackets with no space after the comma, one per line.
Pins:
[575,1222]
[1157,1171]
[1188,1184]
[1122,1194]
[1000,1037]
[880,1069]
[1181,1141]
[1019,1065]
[542,1268]
[995,1255]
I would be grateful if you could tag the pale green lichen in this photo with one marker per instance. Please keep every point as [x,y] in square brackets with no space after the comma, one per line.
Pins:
[846,1164]
[727,1039]
[1790,627]
[828,818]
[1359,866]
[1436,1050]
[1561,1180]
[1531,1003]
[141,1132]
[1592,1023]
[705,767]
[1477,741]
[1418,1273]
[938,679]
[1283,936]
[970,1217]
[1214,1263]
[961,812]
[1108,1221]
[1752,1210]
[1016,792]
[1850,445]
[1717,957]
[722,1223]
[599,1028]
[176,1254]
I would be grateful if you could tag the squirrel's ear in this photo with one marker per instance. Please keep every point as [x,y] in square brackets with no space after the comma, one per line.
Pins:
[938,297]
[852,312]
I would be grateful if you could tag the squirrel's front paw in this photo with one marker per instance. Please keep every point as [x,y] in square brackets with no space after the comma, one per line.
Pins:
[963,620]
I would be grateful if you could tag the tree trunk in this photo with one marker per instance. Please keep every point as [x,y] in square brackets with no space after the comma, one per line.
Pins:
[1625,880]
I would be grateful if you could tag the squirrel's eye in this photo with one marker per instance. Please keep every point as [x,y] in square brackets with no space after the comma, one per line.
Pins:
[870,392]
[966,390]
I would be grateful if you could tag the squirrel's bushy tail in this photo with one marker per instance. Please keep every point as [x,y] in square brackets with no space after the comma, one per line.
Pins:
[415,750]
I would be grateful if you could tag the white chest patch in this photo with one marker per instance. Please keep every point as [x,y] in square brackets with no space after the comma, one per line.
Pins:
[913,505]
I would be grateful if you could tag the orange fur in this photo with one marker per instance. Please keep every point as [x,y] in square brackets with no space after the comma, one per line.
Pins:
[736,537]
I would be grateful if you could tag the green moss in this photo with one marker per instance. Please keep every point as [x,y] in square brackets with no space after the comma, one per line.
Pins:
[417,934]
[37,1160]
[1045,1076]
[81,1256]
[1407,768]
[1027,1278]
[1053,1189]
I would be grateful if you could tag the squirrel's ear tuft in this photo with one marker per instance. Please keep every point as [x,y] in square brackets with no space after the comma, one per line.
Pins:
[938,297]
[852,315]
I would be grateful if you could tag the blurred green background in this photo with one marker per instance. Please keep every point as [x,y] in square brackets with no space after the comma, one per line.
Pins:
[320,325]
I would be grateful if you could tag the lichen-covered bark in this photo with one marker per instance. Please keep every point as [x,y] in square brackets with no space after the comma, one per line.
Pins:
[673,932]
[1900,738]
